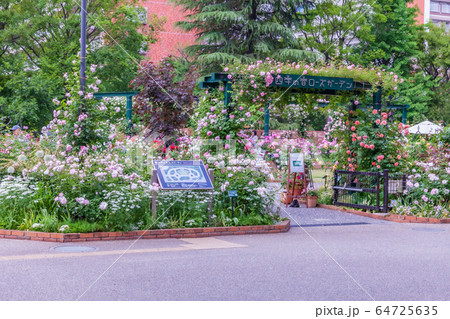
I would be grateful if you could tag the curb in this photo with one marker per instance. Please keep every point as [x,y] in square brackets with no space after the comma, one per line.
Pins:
[389,217]
[146,234]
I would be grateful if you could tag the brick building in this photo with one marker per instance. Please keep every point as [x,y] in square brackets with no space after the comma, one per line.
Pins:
[171,39]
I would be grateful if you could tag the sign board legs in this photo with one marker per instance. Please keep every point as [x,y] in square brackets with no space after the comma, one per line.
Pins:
[153,181]
[211,176]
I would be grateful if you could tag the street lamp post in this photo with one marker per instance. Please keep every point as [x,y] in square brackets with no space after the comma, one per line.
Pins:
[83,50]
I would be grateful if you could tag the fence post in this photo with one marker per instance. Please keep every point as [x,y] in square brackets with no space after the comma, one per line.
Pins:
[378,191]
[335,195]
[386,191]
[403,183]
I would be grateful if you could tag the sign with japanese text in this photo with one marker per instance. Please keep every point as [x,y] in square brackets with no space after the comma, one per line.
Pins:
[312,82]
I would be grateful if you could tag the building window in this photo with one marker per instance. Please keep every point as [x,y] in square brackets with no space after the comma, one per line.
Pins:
[445,8]
[435,7]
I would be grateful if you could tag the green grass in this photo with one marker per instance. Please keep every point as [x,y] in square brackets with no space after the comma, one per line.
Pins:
[317,174]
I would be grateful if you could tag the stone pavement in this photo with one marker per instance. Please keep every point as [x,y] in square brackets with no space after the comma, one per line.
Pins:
[313,217]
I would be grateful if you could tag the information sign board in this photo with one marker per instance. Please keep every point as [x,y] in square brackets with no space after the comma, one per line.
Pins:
[187,175]
[296,163]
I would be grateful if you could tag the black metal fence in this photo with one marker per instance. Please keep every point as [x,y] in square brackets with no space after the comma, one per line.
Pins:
[367,190]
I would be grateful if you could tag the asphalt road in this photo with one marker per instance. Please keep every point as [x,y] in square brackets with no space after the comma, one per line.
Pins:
[333,256]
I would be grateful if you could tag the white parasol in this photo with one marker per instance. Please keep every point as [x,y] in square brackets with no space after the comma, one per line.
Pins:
[425,127]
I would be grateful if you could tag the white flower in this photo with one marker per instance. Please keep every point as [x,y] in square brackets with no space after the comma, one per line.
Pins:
[63,228]
[36,225]
[47,158]
[22,158]
[10,170]
[117,109]
[39,154]
[261,191]
[103,205]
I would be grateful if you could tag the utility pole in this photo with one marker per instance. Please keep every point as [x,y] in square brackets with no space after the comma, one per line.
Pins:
[83,51]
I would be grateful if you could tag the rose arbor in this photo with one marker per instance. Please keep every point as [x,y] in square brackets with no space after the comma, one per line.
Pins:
[266,86]
[314,85]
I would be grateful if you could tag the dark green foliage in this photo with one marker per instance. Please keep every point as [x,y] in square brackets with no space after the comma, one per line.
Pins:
[240,31]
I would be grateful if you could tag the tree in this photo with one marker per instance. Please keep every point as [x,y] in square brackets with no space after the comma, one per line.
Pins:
[434,62]
[392,43]
[42,37]
[392,39]
[240,31]
[163,104]
[332,27]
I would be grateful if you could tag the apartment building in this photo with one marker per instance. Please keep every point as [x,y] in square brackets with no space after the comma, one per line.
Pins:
[435,11]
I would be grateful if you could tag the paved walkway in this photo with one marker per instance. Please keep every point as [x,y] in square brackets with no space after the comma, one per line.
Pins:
[313,217]
[333,256]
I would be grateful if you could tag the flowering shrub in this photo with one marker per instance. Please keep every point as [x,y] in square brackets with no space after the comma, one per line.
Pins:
[84,174]
[370,141]
[428,184]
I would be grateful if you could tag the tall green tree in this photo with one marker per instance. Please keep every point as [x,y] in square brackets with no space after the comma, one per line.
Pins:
[434,62]
[40,39]
[392,43]
[332,27]
[392,39]
[235,30]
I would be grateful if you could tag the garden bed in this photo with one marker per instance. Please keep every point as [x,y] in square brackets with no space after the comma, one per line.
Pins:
[282,227]
[389,217]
